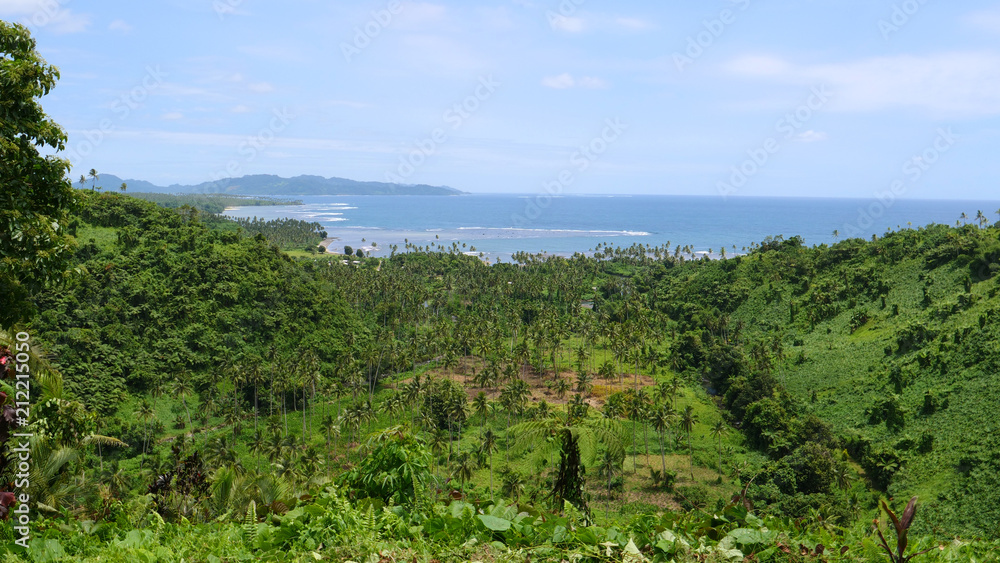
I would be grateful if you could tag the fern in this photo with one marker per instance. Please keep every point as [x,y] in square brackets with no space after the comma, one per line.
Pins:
[250,526]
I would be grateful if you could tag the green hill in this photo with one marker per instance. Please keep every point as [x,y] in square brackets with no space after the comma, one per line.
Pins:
[892,341]
[270,185]
[277,407]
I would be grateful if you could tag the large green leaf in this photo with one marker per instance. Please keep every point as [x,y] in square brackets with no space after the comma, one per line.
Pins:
[494,523]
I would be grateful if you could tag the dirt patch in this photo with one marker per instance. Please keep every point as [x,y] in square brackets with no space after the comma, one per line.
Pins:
[542,385]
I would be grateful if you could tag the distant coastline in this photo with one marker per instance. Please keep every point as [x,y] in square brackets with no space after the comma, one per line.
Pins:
[276,186]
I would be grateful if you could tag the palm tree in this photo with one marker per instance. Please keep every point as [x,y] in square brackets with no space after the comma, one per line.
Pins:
[481,406]
[256,445]
[145,413]
[718,431]
[512,483]
[437,442]
[841,476]
[123,187]
[183,388]
[93,177]
[675,389]
[488,448]
[661,418]
[608,466]
[562,387]
[688,420]
[465,464]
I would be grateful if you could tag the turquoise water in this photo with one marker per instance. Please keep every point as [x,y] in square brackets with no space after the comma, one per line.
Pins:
[499,225]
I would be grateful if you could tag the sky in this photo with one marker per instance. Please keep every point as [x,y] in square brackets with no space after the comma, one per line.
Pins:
[808,98]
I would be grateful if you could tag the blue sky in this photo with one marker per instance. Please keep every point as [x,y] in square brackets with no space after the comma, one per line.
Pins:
[836,98]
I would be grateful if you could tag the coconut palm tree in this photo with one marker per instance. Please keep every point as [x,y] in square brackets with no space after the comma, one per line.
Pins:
[608,466]
[562,387]
[717,432]
[93,177]
[481,406]
[688,420]
[465,465]
[489,447]
[145,413]
[661,417]
[256,445]
[183,388]
[512,483]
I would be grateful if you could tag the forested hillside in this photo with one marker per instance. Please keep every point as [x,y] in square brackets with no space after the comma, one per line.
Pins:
[220,399]
[270,185]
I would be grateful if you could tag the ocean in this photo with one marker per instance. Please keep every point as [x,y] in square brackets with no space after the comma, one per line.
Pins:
[499,225]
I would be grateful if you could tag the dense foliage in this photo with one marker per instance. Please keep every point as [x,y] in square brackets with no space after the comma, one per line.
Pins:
[285,233]
[308,401]
[34,196]
[211,203]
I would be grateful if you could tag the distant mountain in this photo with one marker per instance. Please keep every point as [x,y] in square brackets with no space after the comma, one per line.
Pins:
[266,184]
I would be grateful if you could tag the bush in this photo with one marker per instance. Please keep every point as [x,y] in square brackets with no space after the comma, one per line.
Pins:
[692,497]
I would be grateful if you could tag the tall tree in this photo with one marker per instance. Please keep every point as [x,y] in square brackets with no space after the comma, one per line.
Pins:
[488,448]
[576,439]
[688,420]
[719,430]
[35,195]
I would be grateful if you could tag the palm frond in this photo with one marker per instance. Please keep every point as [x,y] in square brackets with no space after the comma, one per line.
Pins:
[103,441]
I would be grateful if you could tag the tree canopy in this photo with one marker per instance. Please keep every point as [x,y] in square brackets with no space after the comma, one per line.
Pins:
[34,194]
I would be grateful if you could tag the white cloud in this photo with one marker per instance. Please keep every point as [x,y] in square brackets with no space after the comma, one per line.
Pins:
[438,54]
[566,80]
[261,87]
[811,136]
[634,24]
[44,14]
[120,25]
[957,83]
[172,116]
[241,109]
[568,24]
[419,16]
[348,103]
[758,65]
[563,81]
[592,83]
[985,19]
